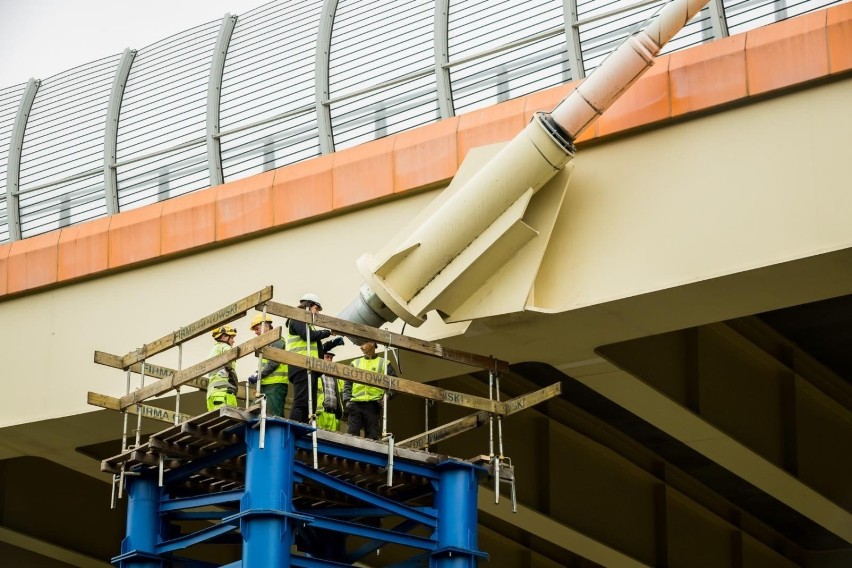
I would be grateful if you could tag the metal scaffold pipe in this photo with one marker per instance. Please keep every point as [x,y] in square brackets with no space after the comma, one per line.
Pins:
[427,267]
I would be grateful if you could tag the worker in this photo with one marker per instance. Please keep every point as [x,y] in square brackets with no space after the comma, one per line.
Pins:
[222,383]
[329,408]
[297,339]
[363,402]
[273,375]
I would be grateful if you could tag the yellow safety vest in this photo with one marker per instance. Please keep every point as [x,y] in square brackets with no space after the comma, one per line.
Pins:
[364,393]
[279,375]
[296,344]
[216,382]
[327,420]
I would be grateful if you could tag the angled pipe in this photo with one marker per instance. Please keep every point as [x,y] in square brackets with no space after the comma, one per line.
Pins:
[483,213]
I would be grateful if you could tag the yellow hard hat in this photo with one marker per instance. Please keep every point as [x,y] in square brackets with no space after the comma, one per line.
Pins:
[259,318]
[224,330]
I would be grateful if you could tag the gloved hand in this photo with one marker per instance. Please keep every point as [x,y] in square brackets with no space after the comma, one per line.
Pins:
[252,379]
[350,407]
[336,342]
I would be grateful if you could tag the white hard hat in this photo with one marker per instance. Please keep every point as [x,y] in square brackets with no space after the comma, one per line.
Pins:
[311,298]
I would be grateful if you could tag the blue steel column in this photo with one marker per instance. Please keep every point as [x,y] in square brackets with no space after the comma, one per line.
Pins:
[455,501]
[143,524]
[266,528]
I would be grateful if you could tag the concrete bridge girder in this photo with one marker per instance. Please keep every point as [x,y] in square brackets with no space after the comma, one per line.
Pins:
[634,254]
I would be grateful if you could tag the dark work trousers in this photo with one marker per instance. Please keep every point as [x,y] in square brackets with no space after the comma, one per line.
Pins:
[276,398]
[299,380]
[367,415]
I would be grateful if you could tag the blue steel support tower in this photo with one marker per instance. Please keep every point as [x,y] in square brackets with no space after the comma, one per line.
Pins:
[258,485]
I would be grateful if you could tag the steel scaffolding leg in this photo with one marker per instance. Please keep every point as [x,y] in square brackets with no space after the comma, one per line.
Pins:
[254,507]
[267,520]
[143,525]
[455,501]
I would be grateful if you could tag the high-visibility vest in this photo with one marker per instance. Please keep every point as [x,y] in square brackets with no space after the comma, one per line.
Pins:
[217,382]
[296,344]
[321,393]
[365,393]
[278,375]
[327,420]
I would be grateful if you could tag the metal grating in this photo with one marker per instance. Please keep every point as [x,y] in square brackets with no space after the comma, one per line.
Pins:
[751,14]
[164,108]
[62,159]
[510,74]
[385,111]
[160,177]
[381,69]
[267,102]
[503,50]
[273,109]
[271,145]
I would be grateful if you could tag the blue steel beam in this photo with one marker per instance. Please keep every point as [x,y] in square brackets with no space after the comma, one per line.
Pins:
[203,535]
[268,520]
[426,517]
[388,536]
[180,503]
[374,545]
[363,512]
[307,562]
[196,465]
[199,515]
[379,460]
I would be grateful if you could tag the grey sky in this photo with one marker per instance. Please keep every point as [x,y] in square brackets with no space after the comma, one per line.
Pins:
[40,38]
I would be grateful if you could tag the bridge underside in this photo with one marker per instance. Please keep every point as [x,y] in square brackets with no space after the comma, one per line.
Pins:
[695,301]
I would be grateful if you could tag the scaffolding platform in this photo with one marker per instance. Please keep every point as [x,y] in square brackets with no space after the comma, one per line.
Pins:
[288,493]
[252,478]
[222,429]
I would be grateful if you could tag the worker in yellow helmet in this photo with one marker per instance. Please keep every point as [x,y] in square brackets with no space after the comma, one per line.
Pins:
[273,375]
[222,383]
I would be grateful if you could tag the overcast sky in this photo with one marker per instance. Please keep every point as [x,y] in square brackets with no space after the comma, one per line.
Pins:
[40,38]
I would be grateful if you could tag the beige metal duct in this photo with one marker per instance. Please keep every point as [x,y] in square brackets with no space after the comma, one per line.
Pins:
[476,249]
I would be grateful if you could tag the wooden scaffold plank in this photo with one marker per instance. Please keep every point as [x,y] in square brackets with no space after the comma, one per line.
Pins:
[160,372]
[472,421]
[147,411]
[199,369]
[196,328]
[397,384]
[344,327]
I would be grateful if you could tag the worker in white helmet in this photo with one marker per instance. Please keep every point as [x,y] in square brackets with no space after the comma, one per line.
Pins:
[274,380]
[222,383]
[304,339]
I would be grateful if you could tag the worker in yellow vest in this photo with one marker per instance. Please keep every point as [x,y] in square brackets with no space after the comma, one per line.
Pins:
[329,399]
[304,339]
[362,402]
[273,375]
[222,383]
